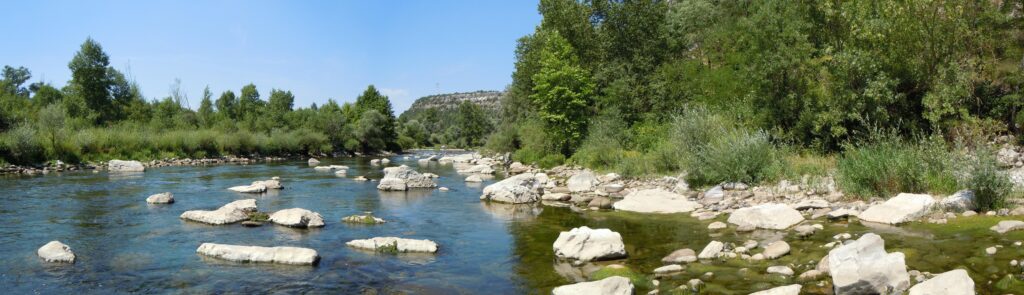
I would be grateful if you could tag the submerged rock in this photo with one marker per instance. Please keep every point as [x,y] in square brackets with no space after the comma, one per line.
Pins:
[280,255]
[767,216]
[364,219]
[899,209]
[232,212]
[954,282]
[614,285]
[403,178]
[685,255]
[254,188]
[1007,226]
[297,217]
[583,244]
[776,250]
[125,166]
[394,245]
[655,201]
[522,188]
[55,251]
[784,290]
[161,198]
[863,267]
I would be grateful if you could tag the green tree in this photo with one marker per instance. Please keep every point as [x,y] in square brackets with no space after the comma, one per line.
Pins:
[12,79]
[279,104]
[563,93]
[472,125]
[90,80]
[371,133]
[373,100]
[249,103]
[206,114]
[50,125]
[227,106]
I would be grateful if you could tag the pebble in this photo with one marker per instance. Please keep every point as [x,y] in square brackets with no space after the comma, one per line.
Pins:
[991,250]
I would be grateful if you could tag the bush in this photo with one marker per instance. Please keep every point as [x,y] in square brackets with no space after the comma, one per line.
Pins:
[990,186]
[21,146]
[737,155]
[887,166]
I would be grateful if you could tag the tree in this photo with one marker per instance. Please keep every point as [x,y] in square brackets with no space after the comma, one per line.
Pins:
[227,106]
[13,79]
[279,104]
[51,125]
[472,124]
[90,80]
[370,131]
[563,92]
[249,103]
[373,100]
[206,108]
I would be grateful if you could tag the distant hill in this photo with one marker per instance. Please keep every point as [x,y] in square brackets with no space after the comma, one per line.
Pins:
[490,101]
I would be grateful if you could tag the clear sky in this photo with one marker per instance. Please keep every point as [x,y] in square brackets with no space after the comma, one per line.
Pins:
[316,49]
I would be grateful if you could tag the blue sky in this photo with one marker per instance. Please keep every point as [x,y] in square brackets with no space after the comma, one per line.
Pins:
[316,49]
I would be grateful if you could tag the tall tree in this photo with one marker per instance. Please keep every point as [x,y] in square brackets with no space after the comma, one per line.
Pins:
[206,108]
[227,106]
[249,103]
[12,79]
[472,124]
[563,93]
[371,99]
[279,104]
[90,80]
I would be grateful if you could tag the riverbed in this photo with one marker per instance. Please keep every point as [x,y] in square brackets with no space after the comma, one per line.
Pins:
[125,245]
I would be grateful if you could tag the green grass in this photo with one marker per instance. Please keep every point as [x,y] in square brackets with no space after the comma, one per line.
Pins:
[639,280]
[889,166]
[259,217]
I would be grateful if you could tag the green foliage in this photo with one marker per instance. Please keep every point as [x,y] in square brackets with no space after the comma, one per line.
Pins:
[888,165]
[472,125]
[638,279]
[737,155]
[990,186]
[371,132]
[373,100]
[562,92]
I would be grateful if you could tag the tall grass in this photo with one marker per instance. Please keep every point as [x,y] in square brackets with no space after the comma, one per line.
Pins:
[887,166]
[990,186]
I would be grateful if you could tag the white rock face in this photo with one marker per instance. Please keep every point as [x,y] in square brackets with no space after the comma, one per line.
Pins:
[583,244]
[478,169]
[399,244]
[584,181]
[959,202]
[297,217]
[655,201]
[615,285]
[784,290]
[280,255]
[232,212]
[403,178]
[254,188]
[522,188]
[1007,226]
[55,251]
[161,198]
[954,282]
[767,216]
[712,250]
[899,209]
[125,166]
[863,267]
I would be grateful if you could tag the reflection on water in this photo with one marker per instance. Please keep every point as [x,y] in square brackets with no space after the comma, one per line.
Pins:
[512,212]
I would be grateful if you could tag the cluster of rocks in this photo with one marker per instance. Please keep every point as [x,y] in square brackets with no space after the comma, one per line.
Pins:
[128,165]
[403,178]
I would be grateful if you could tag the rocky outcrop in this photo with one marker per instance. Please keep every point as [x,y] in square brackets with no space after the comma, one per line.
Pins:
[161,198]
[232,212]
[899,209]
[522,188]
[954,282]
[125,166]
[784,290]
[655,201]
[393,244]
[863,267]
[279,255]
[583,244]
[55,251]
[297,217]
[402,178]
[766,216]
[614,285]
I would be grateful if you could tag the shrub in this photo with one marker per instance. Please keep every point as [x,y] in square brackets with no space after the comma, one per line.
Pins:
[21,146]
[887,166]
[738,155]
[989,185]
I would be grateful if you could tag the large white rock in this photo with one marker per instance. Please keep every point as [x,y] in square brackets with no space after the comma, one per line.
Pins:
[954,282]
[655,201]
[584,181]
[614,285]
[712,250]
[767,216]
[478,169]
[1007,226]
[55,251]
[232,212]
[403,178]
[274,183]
[281,255]
[297,217]
[522,188]
[161,198]
[254,188]
[583,244]
[396,244]
[784,290]
[125,166]
[959,202]
[863,267]
[899,209]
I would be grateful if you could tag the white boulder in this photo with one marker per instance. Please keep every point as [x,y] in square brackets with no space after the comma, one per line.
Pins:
[297,217]
[394,244]
[254,188]
[522,188]
[403,178]
[232,212]
[1007,226]
[161,198]
[712,250]
[959,202]
[281,255]
[313,162]
[863,267]
[55,251]
[583,244]
[584,181]
[954,282]
[474,178]
[125,166]
[614,285]
[767,216]
[899,209]
[655,201]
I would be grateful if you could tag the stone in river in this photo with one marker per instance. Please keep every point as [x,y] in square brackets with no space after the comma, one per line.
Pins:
[685,255]
[655,201]
[232,212]
[55,251]
[899,209]
[1007,226]
[784,290]
[161,198]
[393,244]
[297,217]
[766,216]
[954,282]
[522,188]
[863,267]
[279,255]
[125,166]
[614,285]
[583,244]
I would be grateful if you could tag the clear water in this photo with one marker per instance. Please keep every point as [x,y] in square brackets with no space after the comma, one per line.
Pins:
[127,246]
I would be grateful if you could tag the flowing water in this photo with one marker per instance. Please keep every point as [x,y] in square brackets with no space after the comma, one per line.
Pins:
[127,246]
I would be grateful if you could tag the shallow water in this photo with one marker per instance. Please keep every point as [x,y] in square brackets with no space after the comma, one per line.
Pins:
[125,245]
